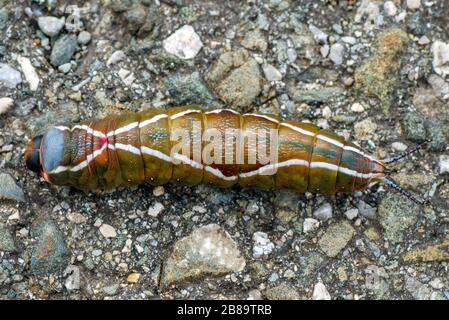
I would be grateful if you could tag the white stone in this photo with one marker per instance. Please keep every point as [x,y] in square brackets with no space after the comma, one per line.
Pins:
[441,58]
[439,85]
[399,146]
[369,10]
[9,76]
[158,191]
[73,277]
[271,73]
[390,8]
[351,214]
[336,53]
[108,231]
[183,43]
[65,68]
[318,34]
[413,4]
[349,40]
[320,292]
[324,50]
[30,73]
[444,163]
[324,212]
[262,245]
[5,104]
[51,26]
[357,107]
[117,56]
[310,224]
[126,76]
[155,209]
[423,40]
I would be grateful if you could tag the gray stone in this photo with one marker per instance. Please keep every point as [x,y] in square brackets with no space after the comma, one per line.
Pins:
[366,210]
[336,53]
[63,50]
[9,189]
[65,68]
[318,34]
[135,16]
[3,19]
[283,291]
[336,238]
[397,215]
[25,107]
[49,253]
[51,26]
[9,76]
[111,289]
[271,73]
[421,291]
[436,135]
[207,251]
[414,127]
[324,212]
[236,78]
[315,96]
[84,37]
[286,205]
[190,89]
[6,239]
[416,24]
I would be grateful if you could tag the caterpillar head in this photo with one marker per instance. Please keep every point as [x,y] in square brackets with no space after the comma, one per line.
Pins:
[46,152]
[33,154]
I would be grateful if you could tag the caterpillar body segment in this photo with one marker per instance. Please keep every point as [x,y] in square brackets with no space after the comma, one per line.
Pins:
[145,147]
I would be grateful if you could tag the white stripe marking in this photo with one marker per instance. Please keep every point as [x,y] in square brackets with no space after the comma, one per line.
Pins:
[261,116]
[152,120]
[127,147]
[123,129]
[155,153]
[183,113]
[221,110]
[297,129]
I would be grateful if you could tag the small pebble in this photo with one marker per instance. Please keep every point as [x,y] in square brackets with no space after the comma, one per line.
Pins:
[357,107]
[155,209]
[117,56]
[271,73]
[324,212]
[184,43]
[413,4]
[30,73]
[133,277]
[65,68]
[351,214]
[108,231]
[444,163]
[262,245]
[390,8]
[9,76]
[5,104]
[158,191]
[51,26]
[336,53]
[423,40]
[310,224]
[84,37]
[399,146]
[320,292]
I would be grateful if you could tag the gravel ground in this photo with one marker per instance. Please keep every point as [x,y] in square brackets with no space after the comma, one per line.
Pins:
[375,72]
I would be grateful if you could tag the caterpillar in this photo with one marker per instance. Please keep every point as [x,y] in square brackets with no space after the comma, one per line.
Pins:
[221,147]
